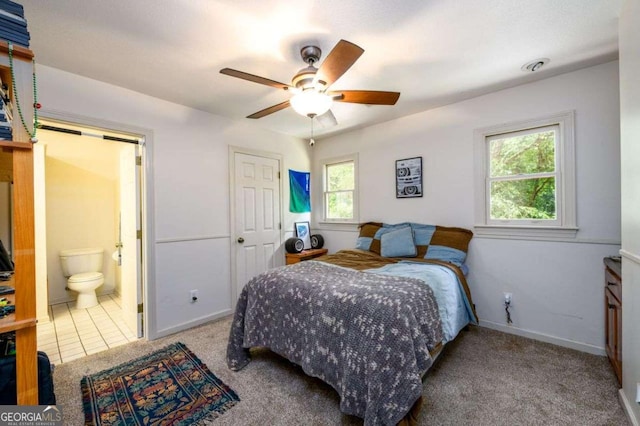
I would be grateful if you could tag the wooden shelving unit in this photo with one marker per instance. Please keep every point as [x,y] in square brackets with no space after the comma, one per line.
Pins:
[10,323]
[16,165]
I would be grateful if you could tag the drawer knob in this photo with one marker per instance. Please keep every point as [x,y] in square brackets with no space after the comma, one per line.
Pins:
[610,283]
[611,306]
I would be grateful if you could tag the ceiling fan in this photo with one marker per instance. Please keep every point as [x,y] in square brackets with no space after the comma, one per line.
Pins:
[310,86]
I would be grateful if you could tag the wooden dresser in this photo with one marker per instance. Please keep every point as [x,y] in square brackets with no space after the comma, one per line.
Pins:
[304,255]
[613,313]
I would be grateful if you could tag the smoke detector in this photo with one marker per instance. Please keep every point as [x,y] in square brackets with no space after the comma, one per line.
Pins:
[535,65]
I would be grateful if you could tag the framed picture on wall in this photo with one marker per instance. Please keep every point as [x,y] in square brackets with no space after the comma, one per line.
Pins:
[303,232]
[409,177]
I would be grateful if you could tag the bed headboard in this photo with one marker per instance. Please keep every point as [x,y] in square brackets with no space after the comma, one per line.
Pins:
[449,244]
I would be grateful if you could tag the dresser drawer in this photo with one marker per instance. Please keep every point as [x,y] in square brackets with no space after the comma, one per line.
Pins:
[613,283]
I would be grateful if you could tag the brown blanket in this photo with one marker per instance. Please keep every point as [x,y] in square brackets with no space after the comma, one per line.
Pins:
[361,260]
[356,259]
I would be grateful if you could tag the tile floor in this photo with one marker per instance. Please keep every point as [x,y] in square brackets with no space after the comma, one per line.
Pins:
[74,333]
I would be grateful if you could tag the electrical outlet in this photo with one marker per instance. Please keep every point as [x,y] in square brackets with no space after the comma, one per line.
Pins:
[193,296]
[507,298]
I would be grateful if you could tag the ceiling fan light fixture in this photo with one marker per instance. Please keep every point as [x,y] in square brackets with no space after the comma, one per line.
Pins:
[304,79]
[311,103]
[310,85]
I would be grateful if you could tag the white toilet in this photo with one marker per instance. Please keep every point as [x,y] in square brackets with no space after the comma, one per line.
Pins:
[83,269]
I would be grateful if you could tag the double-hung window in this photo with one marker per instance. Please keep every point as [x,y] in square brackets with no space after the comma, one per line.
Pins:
[525,183]
[340,189]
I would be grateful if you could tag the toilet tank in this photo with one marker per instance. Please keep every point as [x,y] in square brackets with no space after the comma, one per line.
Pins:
[77,261]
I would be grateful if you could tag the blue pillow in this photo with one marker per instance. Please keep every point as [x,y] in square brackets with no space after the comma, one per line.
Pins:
[363,243]
[446,254]
[423,233]
[398,243]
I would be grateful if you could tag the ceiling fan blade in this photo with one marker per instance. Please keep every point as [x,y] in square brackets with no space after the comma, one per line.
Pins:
[270,110]
[327,119]
[339,60]
[371,97]
[254,78]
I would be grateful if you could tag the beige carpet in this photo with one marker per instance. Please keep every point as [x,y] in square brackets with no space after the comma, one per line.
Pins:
[483,378]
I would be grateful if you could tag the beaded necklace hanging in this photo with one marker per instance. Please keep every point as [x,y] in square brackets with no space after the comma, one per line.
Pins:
[36,105]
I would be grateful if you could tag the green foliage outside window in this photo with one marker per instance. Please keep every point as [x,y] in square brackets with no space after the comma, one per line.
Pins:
[340,187]
[522,173]
[340,205]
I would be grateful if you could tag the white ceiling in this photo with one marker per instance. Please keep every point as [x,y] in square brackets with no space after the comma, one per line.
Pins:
[434,52]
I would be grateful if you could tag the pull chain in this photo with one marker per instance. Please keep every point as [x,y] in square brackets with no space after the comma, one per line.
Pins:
[32,135]
[312,142]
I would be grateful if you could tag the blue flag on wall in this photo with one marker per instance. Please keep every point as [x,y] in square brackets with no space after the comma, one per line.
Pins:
[300,201]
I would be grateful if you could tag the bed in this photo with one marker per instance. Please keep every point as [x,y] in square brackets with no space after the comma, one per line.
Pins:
[368,321]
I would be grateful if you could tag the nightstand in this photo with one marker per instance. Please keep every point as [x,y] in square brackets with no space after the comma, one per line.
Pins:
[292,258]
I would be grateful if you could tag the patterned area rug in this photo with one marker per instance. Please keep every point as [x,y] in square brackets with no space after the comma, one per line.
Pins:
[167,387]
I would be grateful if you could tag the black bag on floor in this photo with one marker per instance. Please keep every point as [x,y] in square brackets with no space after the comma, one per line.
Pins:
[8,392]
[5,261]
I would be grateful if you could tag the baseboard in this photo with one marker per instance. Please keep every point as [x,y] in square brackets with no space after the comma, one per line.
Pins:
[198,321]
[582,347]
[627,408]
[60,300]
[44,320]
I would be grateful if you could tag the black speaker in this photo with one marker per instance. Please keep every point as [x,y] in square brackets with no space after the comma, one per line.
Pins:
[294,245]
[317,241]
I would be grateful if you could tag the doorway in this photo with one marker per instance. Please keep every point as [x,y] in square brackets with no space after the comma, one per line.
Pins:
[256,216]
[89,188]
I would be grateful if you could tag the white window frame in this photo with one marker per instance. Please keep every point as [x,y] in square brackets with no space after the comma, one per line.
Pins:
[564,227]
[333,161]
[556,174]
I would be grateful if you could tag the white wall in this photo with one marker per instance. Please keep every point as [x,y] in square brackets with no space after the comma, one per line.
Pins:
[629,36]
[557,287]
[189,243]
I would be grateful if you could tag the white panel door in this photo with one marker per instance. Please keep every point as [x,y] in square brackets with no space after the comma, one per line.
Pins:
[257,216]
[129,245]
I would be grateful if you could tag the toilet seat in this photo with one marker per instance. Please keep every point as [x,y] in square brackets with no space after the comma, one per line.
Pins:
[84,277]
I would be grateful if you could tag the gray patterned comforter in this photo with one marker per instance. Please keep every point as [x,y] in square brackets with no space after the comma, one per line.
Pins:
[367,335]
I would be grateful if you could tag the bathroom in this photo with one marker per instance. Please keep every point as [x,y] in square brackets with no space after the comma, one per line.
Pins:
[86,191]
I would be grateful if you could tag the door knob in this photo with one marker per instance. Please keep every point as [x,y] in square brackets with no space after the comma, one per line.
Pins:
[240,240]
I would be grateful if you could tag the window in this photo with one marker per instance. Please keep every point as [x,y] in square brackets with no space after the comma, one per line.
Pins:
[522,176]
[525,183]
[340,190]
